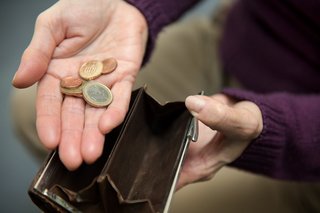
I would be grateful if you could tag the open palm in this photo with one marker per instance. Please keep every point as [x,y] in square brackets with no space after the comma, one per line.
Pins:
[67,35]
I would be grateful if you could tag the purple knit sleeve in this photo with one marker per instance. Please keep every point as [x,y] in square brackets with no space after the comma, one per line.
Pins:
[289,145]
[158,14]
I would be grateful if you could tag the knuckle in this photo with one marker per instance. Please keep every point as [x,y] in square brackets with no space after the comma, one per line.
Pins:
[75,110]
[251,129]
[41,19]
[50,98]
[118,112]
[221,115]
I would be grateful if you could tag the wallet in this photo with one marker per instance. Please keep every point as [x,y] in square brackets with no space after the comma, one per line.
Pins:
[137,172]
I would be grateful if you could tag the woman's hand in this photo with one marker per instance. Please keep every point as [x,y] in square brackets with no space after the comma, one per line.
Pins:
[66,35]
[226,128]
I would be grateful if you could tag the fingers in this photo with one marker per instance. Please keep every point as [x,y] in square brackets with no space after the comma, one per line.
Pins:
[48,105]
[92,138]
[182,181]
[36,57]
[72,128]
[99,122]
[243,121]
[117,110]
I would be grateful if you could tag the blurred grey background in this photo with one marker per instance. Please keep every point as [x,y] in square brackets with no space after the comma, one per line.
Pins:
[17,166]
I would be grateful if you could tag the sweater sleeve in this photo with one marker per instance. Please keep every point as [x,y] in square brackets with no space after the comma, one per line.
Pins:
[158,14]
[289,145]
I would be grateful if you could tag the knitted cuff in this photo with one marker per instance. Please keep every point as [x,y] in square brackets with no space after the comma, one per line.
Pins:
[156,20]
[263,155]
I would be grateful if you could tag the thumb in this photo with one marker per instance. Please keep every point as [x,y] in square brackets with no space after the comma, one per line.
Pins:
[231,121]
[38,54]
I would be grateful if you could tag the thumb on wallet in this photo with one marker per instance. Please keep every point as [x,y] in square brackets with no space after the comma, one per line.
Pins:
[239,120]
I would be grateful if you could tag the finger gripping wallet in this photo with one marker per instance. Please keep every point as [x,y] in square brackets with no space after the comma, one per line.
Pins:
[137,171]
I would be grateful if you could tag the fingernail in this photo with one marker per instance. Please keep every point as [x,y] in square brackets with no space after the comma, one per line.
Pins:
[13,79]
[195,104]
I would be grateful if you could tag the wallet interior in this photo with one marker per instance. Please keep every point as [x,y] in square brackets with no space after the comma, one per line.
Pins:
[137,171]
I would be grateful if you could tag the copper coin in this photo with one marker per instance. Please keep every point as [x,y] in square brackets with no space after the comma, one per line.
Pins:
[109,65]
[71,82]
[77,91]
[91,70]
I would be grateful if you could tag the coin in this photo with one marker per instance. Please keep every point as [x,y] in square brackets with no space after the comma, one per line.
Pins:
[77,92]
[71,82]
[91,70]
[109,65]
[97,94]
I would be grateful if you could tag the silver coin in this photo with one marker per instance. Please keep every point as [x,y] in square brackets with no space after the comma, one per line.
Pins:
[97,94]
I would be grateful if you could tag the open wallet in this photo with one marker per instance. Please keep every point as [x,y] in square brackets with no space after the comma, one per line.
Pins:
[137,172]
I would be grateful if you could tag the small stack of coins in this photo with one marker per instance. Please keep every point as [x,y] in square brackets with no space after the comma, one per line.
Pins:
[93,92]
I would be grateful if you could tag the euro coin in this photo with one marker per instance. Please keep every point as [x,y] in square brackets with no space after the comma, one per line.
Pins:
[91,70]
[109,65]
[71,82]
[97,94]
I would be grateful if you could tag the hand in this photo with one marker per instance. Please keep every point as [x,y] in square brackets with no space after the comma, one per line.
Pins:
[66,35]
[226,128]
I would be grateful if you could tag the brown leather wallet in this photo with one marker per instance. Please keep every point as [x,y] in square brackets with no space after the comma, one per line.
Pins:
[137,171]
